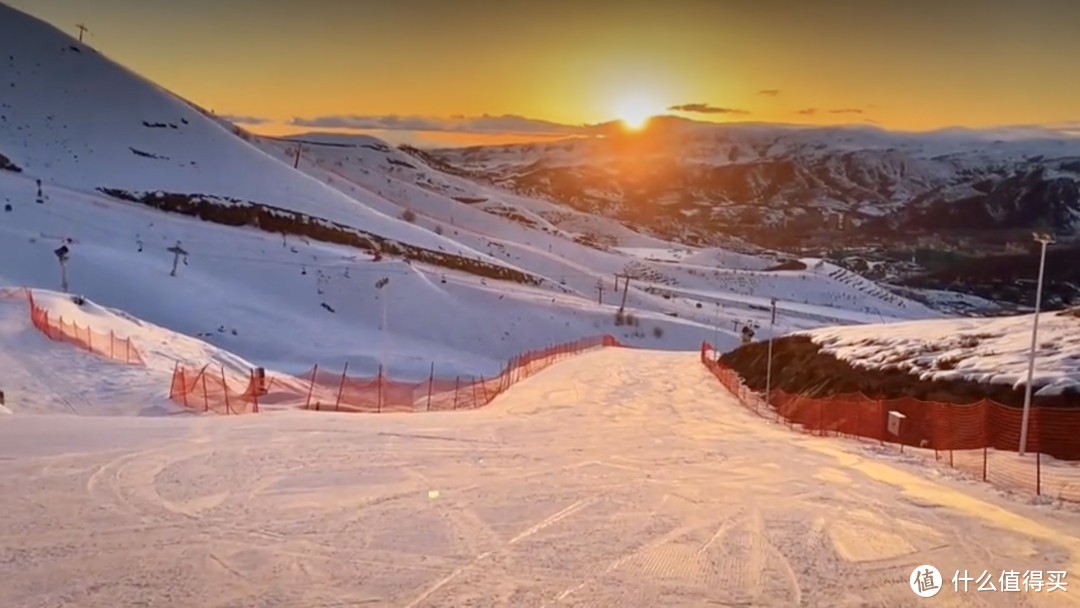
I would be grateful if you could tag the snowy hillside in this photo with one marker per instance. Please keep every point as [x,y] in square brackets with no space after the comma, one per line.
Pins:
[981,350]
[39,376]
[288,301]
[285,303]
[70,117]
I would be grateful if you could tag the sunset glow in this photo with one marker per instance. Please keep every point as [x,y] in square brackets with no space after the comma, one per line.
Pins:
[285,67]
[635,111]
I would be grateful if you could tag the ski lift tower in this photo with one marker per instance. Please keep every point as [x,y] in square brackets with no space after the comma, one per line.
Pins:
[63,255]
[177,251]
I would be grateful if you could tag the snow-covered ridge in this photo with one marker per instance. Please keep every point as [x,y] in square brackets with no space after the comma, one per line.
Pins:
[70,116]
[731,143]
[734,179]
[980,350]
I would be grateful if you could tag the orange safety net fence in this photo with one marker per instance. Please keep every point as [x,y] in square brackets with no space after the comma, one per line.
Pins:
[107,345]
[208,390]
[337,391]
[981,438]
[322,390]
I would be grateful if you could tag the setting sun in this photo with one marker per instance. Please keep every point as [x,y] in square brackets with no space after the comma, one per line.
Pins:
[635,112]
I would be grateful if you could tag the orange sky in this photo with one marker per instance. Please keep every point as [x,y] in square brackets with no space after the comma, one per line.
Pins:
[913,65]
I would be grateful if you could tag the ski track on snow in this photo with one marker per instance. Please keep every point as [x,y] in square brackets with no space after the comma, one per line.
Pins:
[619,478]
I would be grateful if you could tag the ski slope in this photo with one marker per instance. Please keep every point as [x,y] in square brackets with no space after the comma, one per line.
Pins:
[684,499]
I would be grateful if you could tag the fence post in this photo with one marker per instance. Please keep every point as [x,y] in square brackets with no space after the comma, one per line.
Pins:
[127,350]
[254,392]
[183,383]
[1038,472]
[378,387]
[457,385]
[225,389]
[483,389]
[984,461]
[206,397]
[474,399]
[311,387]
[89,338]
[430,384]
[112,344]
[172,384]
[341,387]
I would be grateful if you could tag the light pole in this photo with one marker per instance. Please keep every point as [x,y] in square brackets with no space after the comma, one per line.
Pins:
[716,325]
[1044,239]
[380,284]
[768,364]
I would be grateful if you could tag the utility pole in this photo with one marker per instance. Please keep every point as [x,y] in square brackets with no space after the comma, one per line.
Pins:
[177,251]
[1044,239]
[62,256]
[626,290]
[716,324]
[380,284]
[296,155]
[81,28]
[768,365]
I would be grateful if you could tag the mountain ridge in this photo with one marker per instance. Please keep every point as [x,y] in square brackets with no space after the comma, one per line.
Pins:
[798,181]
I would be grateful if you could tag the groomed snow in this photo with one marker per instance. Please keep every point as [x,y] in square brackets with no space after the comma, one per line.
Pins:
[994,350]
[620,478]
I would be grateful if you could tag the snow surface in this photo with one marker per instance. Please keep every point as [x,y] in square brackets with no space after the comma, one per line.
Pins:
[684,499]
[39,376]
[982,350]
[251,283]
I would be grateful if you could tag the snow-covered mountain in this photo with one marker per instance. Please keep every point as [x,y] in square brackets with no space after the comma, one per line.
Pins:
[777,184]
[281,265]
[623,476]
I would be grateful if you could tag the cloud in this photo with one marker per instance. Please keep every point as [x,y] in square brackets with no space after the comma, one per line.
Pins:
[846,111]
[243,119]
[807,111]
[484,124]
[704,108]
[1064,128]
[769,92]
